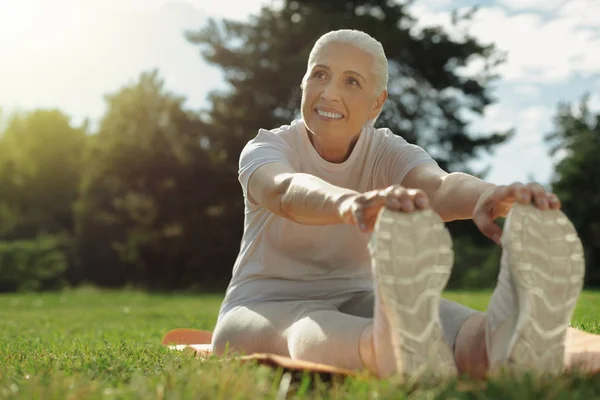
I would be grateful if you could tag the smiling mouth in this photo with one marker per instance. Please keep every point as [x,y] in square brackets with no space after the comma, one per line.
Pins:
[329,115]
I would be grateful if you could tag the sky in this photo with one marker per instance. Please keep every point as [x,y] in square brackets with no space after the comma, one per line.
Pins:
[68,54]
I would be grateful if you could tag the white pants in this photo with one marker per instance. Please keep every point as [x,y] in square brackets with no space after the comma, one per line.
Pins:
[326,330]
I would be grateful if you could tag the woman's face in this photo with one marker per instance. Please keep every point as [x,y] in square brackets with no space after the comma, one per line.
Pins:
[339,97]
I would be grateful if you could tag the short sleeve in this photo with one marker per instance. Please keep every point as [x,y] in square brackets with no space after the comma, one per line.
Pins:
[267,147]
[399,157]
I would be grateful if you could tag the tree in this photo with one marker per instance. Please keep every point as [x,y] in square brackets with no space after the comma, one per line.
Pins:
[149,209]
[40,169]
[576,138]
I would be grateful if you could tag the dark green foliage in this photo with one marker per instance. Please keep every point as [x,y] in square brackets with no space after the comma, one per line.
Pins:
[577,180]
[150,208]
[40,170]
[33,265]
[476,258]
[41,159]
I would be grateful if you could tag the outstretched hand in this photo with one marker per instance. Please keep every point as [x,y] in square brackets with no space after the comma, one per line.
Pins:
[498,201]
[362,209]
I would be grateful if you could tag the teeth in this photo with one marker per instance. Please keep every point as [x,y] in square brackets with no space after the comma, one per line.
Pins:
[329,115]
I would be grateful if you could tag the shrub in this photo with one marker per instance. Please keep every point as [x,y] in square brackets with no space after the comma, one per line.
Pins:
[33,265]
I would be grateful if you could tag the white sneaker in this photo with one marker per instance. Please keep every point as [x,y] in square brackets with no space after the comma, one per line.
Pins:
[544,265]
[412,260]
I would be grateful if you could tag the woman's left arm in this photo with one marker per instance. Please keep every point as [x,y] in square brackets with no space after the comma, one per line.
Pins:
[458,196]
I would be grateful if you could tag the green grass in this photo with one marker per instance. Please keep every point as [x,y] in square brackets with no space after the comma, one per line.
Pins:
[105,345]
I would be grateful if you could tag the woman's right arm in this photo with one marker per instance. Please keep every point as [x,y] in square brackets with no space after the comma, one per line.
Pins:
[309,200]
[300,197]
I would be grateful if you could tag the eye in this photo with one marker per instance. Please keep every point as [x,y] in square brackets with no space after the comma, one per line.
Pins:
[353,82]
[319,74]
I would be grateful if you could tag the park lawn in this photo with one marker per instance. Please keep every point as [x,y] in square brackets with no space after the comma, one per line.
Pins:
[100,344]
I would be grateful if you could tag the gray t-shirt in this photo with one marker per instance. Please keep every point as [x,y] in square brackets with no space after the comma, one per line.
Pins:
[282,260]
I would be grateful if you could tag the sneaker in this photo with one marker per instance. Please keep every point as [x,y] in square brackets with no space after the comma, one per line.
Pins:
[412,261]
[544,258]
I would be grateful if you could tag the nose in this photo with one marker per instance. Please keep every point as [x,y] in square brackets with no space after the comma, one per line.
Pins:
[330,92]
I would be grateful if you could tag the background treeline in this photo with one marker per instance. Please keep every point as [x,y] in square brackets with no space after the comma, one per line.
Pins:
[149,196]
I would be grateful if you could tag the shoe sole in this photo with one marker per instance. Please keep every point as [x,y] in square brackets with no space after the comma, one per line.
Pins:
[413,259]
[547,266]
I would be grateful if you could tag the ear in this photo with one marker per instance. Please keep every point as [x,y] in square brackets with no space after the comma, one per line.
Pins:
[378,104]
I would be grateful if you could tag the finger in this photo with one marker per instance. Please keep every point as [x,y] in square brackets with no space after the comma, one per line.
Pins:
[375,199]
[488,227]
[554,201]
[393,204]
[419,198]
[359,216]
[369,206]
[519,192]
[500,193]
[415,198]
[408,205]
[539,195]
[541,202]
[401,195]
[394,190]
[406,198]
[370,223]
[397,191]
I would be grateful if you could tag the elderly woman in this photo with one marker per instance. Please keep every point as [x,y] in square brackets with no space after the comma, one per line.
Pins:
[345,255]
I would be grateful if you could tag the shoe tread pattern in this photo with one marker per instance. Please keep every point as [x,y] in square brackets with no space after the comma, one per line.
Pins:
[547,266]
[413,259]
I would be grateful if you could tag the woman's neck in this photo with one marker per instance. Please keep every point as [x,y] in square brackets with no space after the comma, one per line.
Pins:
[334,150]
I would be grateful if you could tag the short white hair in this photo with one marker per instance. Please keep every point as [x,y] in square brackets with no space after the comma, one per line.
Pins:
[361,41]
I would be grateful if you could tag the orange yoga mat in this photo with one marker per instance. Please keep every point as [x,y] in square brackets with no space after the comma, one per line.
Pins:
[199,341]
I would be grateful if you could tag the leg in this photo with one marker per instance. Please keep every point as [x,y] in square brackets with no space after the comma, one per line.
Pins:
[470,350]
[305,330]
[406,334]
[464,330]
[582,351]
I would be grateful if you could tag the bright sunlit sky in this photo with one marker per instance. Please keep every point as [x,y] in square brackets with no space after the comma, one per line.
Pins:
[69,53]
